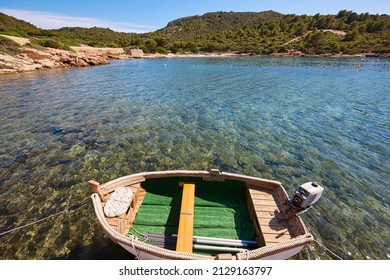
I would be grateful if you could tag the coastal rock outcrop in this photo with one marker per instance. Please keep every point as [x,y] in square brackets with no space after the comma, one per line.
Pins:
[30,59]
[33,59]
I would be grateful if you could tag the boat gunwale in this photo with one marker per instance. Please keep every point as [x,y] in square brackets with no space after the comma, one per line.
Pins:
[257,253]
[189,173]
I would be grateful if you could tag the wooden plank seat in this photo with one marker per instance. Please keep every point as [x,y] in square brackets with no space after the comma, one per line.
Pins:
[186,221]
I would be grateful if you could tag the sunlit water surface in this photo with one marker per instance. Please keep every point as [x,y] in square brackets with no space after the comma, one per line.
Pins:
[287,119]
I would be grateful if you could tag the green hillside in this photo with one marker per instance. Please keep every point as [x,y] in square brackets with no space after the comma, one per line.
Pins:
[38,37]
[99,37]
[245,32]
[15,27]
[197,26]
[267,32]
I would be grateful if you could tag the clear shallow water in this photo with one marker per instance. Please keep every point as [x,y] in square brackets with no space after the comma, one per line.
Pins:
[288,119]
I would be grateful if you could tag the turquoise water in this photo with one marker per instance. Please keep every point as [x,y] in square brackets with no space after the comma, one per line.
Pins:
[288,119]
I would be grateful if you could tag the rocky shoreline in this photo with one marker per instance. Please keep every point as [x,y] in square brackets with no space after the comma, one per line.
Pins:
[31,59]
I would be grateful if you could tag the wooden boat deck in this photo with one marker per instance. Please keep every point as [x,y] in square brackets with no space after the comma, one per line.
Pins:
[263,213]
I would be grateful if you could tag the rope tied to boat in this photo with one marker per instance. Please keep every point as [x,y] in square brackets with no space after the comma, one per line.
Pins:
[140,233]
[134,238]
[246,251]
[323,246]
[65,211]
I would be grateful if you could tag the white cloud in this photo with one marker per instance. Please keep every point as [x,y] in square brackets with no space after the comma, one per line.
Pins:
[47,20]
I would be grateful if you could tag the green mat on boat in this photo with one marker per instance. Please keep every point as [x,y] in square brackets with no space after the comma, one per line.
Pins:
[220,209]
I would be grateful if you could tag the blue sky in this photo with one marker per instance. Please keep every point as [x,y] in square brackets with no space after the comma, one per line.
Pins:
[143,15]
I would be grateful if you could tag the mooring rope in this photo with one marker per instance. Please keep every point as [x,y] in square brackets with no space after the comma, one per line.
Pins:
[323,246]
[66,210]
[146,237]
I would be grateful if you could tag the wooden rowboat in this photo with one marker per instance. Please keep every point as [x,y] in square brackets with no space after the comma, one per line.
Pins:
[202,215]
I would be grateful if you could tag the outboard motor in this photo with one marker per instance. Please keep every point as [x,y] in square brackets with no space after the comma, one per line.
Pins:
[305,196]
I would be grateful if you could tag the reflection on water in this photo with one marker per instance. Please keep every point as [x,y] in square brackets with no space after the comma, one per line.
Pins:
[292,120]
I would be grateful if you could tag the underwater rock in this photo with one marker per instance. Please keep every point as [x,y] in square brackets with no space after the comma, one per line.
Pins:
[21,157]
[75,151]
[241,163]
[56,131]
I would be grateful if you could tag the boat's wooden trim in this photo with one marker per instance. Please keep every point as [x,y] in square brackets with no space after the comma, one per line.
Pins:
[106,189]
[255,181]
[95,188]
[135,205]
[186,222]
[109,187]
